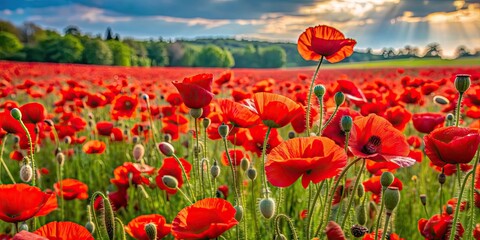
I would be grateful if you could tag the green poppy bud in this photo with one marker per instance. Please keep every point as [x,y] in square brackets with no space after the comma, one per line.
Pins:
[238,213]
[361,213]
[206,122]
[215,170]
[319,91]
[223,130]
[339,98]
[244,164]
[251,173]
[346,123]
[267,208]
[423,199]
[151,230]
[16,114]
[196,112]
[90,226]
[462,82]
[391,199]
[386,179]
[166,148]
[170,181]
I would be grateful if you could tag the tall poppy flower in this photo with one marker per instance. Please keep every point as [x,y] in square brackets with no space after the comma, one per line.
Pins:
[275,110]
[350,90]
[33,112]
[64,231]
[313,158]
[374,138]
[334,231]
[257,134]
[131,173]
[237,114]
[427,122]
[398,116]
[439,227]
[324,41]
[205,219]
[451,145]
[104,128]
[72,189]
[333,130]
[172,168]
[136,227]
[20,202]
[196,91]
[124,106]
[94,147]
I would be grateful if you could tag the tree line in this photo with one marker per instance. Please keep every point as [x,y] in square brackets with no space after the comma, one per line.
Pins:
[29,42]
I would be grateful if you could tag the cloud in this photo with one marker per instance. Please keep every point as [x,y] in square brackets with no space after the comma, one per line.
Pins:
[207,23]
[462,15]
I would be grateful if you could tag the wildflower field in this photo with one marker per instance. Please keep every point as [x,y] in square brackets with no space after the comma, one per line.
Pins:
[98,152]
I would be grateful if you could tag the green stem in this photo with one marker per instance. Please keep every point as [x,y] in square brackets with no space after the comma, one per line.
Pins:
[320,103]
[379,216]
[309,105]
[262,161]
[311,207]
[290,225]
[354,192]
[472,195]
[184,195]
[233,172]
[453,232]
[330,119]
[385,227]
[29,137]
[185,176]
[3,162]
[457,110]
[459,172]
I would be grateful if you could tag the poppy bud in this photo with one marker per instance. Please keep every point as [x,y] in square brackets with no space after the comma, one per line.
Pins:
[23,227]
[442,178]
[291,135]
[238,213]
[391,199]
[16,139]
[358,231]
[60,157]
[346,123]
[196,112]
[319,91]
[462,82]
[215,170]
[49,122]
[251,173]
[135,139]
[360,190]
[166,148]
[167,137]
[339,98]
[15,112]
[267,208]
[170,181]
[361,213]
[151,230]
[441,100]
[26,173]
[145,97]
[449,209]
[223,130]
[386,179]
[450,117]
[280,237]
[138,152]
[206,122]
[244,164]
[109,218]
[423,199]
[67,140]
[90,226]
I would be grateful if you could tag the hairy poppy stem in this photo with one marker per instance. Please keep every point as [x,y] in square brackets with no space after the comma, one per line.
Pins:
[3,162]
[185,176]
[459,172]
[472,195]
[387,219]
[457,110]
[262,161]
[330,119]
[379,217]
[29,137]
[309,105]
[311,207]
[354,192]
[320,123]
[234,178]
[453,232]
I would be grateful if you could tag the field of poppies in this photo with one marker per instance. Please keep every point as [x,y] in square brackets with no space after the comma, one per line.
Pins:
[97,152]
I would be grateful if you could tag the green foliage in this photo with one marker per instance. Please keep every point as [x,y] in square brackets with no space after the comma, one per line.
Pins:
[273,57]
[210,56]
[6,26]
[9,44]
[67,49]
[121,53]
[97,52]
[157,52]
[228,60]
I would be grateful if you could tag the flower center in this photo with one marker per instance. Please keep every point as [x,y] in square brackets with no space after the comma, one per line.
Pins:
[372,145]
[260,146]
[128,105]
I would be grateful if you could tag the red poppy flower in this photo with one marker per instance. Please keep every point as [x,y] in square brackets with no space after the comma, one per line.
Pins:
[427,122]
[375,138]
[314,159]
[398,116]
[170,167]
[411,95]
[16,155]
[205,219]
[324,41]
[104,128]
[391,236]
[124,106]
[350,90]
[299,123]
[334,231]
[136,227]
[257,133]
[439,227]
[450,169]
[374,186]
[224,78]
[94,147]
[333,130]
[451,145]
[10,124]
[96,100]
[269,105]
[377,168]
[23,235]
[196,91]
[453,202]
[235,155]
[131,172]
[476,231]
[72,189]
[33,112]
[223,190]
[64,231]
[237,114]
[118,199]
[20,202]
[414,141]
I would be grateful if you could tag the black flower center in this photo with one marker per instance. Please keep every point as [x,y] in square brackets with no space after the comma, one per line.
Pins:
[372,145]
[260,146]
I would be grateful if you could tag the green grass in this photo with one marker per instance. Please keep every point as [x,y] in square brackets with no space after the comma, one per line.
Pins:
[401,63]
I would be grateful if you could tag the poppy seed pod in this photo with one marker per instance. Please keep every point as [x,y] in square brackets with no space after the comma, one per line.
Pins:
[391,199]
[423,199]
[251,173]
[49,122]
[360,190]
[23,227]
[449,209]
[339,98]
[244,164]
[166,148]
[291,135]
[450,117]
[167,138]
[215,170]
[238,213]
[442,178]
[267,208]
[441,100]
[196,112]
[170,181]
[60,157]
[67,140]
[90,226]
[358,231]
[346,123]
[223,130]
[151,230]
[386,179]
[206,122]
[462,82]
[361,213]
[145,97]
[138,152]
[15,112]
[26,173]
[319,91]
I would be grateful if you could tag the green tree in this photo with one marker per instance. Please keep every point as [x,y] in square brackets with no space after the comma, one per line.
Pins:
[9,44]
[67,49]
[210,56]
[121,53]
[189,57]
[273,57]
[157,52]
[108,34]
[97,52]
[6,26]
[228,60]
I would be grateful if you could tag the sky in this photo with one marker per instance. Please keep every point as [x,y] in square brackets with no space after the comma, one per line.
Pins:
[373,23]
